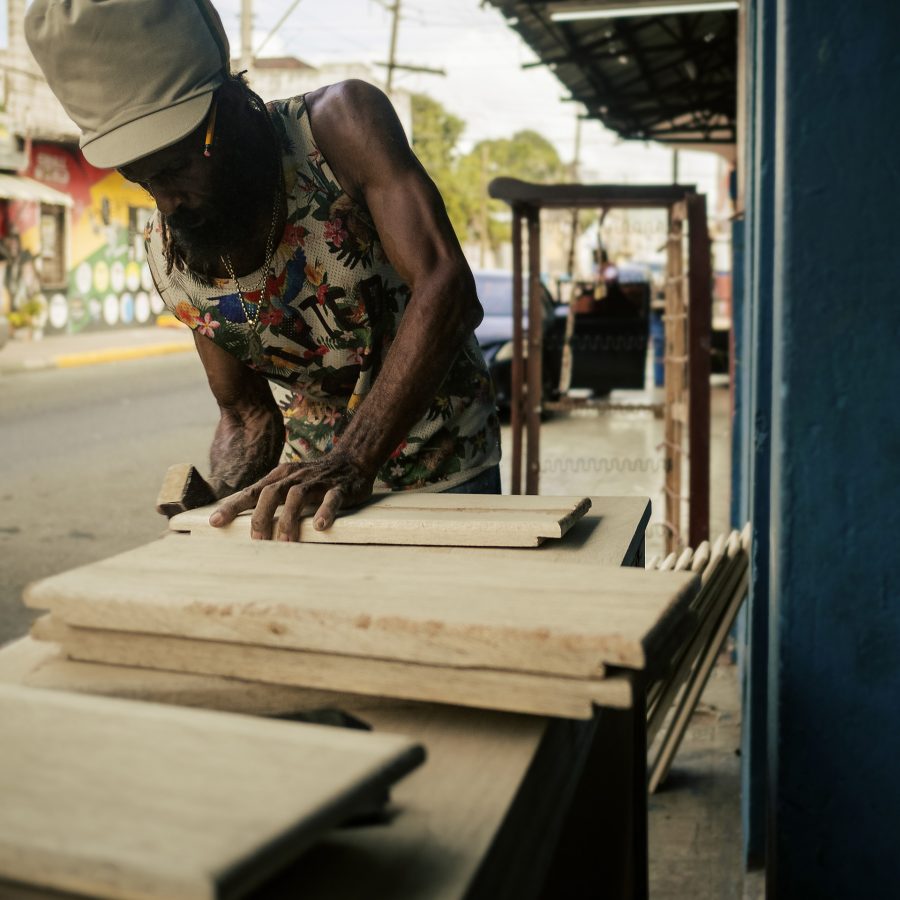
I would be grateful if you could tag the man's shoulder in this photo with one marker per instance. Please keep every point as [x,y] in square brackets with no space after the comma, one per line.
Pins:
[345,101]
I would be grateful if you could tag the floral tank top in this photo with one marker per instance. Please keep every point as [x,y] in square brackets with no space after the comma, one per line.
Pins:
[331,308]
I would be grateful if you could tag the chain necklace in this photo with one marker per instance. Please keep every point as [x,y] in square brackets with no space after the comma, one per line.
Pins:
[260,284]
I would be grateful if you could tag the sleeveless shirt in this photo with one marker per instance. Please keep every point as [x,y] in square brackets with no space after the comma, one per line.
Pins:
[332,305]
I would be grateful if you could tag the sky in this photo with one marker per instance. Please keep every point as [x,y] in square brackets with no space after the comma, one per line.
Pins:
[485,84]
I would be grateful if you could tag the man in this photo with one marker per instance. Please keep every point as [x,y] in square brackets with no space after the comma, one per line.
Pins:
[304,245]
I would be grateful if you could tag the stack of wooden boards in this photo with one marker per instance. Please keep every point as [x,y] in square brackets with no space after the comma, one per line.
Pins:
[437,520]
[114,798]
[504,632]
[724,570]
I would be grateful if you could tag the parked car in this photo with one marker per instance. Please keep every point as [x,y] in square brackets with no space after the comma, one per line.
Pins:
[494,334]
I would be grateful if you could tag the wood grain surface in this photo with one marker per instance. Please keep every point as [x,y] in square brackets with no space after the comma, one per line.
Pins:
[114,798]
[479,761]
[451,520]
[518,615]
[482,688]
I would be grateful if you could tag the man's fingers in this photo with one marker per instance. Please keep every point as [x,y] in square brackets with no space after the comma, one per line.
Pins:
[289,519]
[235,504]
[328,510]
[296,489]
[269,500]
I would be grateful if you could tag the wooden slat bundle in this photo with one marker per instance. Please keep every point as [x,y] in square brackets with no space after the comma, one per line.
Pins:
[112,798]
[724,573]
[513,634]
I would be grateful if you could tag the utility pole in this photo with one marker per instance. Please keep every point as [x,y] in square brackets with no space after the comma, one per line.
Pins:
[392,52]
[247,35]
[392,65]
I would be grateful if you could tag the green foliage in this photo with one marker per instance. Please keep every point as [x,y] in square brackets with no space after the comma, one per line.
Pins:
[462,179]
[436,134]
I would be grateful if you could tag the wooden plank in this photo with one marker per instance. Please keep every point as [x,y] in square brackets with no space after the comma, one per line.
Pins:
[112,798]
[451,808]
[41,664]
[611,533]
[457,520]
[481,688]
[427,608]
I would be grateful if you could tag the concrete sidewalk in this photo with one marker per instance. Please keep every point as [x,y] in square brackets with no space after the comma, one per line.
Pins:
[94,347]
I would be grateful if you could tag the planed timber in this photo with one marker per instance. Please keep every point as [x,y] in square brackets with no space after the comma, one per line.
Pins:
[518,614]
[449,520]
[481,688]
[113,798]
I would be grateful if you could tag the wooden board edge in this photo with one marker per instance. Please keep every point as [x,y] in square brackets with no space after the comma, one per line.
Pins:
[528,693]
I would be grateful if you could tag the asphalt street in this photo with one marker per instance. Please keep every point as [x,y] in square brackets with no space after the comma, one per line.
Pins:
[83,454]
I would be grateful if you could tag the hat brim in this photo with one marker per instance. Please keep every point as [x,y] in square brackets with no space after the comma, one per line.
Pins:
[148,134]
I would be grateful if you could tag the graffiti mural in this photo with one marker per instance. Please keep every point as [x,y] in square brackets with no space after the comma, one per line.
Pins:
[104,281]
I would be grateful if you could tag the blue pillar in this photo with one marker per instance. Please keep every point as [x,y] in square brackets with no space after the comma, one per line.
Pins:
[834,651]
[761,100]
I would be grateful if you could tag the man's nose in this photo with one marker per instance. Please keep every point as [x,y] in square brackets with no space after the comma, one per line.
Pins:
[167,201]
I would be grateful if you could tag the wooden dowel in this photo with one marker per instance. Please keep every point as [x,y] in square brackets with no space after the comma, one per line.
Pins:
[694,689]
[669,562]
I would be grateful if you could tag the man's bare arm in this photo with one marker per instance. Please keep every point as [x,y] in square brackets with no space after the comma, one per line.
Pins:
[359,134]
[250,434]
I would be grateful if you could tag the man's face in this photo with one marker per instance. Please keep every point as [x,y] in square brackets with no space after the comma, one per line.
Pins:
[200,197]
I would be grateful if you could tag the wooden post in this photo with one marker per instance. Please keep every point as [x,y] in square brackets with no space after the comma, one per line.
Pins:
[534,389]
[699,339]
[674,323]
[516,374]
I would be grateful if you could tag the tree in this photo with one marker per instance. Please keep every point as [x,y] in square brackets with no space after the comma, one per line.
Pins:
[463,179]
[436,133]
[526,155]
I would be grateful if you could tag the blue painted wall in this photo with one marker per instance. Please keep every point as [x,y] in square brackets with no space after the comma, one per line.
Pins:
[761,36]
[834,648]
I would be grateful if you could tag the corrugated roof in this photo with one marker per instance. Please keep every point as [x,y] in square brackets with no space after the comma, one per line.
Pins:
[670,78]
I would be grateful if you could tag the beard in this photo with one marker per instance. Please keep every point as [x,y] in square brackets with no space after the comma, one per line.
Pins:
[203,234]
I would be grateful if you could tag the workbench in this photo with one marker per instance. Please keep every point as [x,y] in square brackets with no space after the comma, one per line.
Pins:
[506,805]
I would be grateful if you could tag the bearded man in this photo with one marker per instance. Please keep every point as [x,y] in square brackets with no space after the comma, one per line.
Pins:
[307,249]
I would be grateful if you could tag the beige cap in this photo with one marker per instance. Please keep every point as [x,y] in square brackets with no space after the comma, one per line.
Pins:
[134,75]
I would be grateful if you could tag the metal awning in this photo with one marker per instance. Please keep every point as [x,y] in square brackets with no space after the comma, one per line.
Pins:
[669,78]
[18,187]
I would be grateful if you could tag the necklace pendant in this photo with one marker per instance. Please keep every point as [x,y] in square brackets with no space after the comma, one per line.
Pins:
[255,348]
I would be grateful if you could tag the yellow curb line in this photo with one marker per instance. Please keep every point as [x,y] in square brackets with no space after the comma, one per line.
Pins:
[71,360]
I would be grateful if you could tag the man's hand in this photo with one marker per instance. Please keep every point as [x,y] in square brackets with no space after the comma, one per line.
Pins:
[334,481]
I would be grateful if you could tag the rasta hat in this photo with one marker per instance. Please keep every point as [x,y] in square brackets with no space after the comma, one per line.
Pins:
[134,75]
